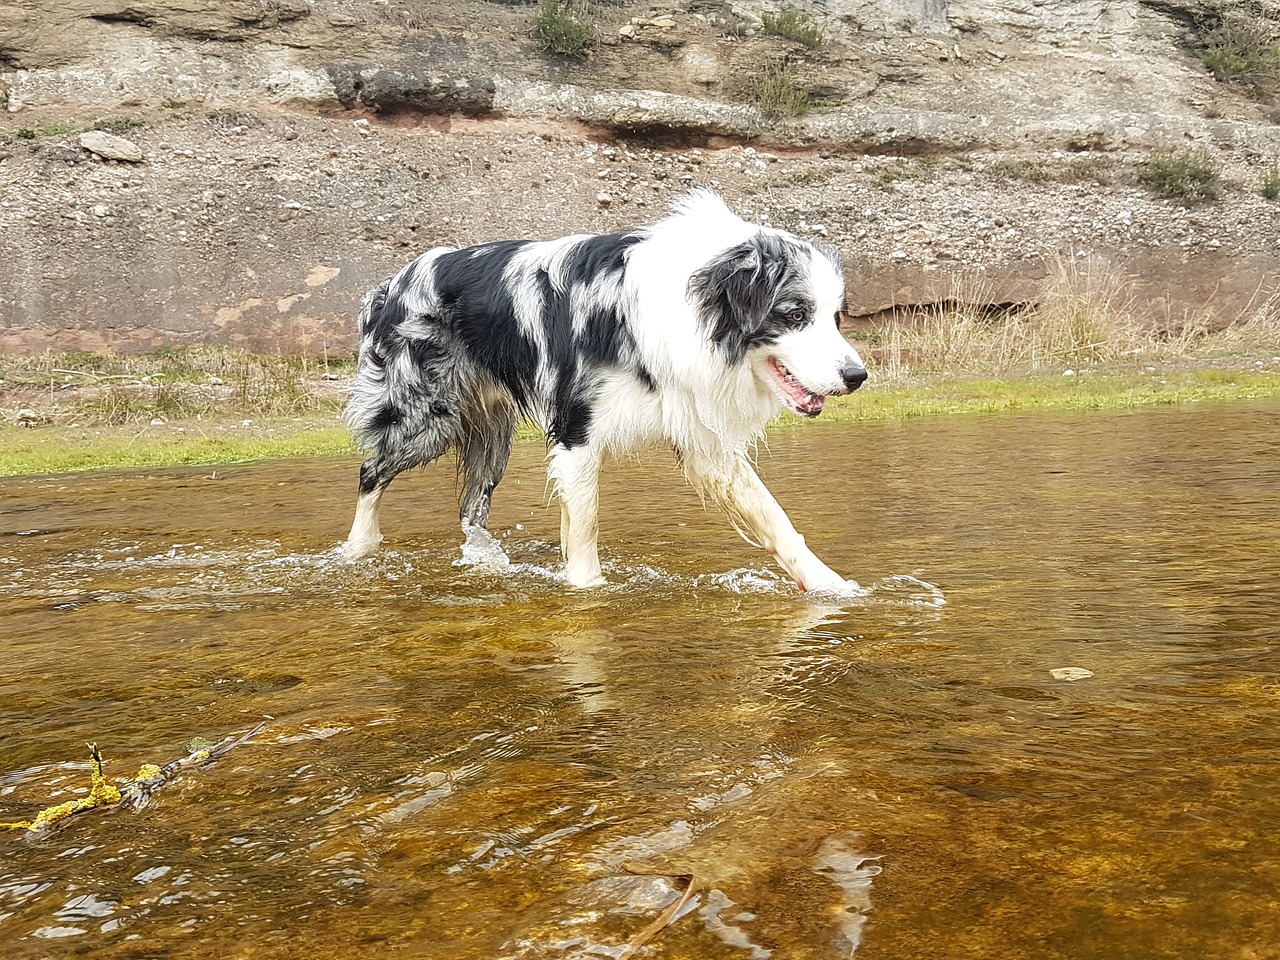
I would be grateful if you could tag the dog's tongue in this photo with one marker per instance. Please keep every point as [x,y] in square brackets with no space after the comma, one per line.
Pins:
[798,398]
[802,401]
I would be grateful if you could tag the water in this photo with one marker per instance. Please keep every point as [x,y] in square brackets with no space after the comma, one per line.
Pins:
[462,758]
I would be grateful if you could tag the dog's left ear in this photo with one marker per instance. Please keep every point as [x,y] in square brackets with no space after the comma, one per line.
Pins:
[734,292]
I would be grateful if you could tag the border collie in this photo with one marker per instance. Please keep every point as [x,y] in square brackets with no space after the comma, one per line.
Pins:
[691,333]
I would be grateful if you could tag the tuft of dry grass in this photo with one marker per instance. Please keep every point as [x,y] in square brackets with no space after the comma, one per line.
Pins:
[373,14]
[1257,331]
[1243,47]
[775,90]
[796,25]
[1085,317]
[206,382]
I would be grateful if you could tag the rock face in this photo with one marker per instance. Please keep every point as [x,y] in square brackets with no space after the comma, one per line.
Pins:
[265,213]
[890,74]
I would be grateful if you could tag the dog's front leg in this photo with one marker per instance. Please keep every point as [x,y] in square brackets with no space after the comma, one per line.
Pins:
[575,474]
[734,485]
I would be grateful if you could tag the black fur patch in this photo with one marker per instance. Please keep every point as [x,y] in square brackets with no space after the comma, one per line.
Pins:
[478,305]
[751,294]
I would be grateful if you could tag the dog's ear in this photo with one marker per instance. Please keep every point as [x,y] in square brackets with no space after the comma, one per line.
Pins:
[734,292]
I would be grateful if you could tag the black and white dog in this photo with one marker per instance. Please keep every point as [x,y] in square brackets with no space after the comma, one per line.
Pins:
[691,333]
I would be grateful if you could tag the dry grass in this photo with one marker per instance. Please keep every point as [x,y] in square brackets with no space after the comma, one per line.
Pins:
[208,382]
[775,90]
[1257,331]
[1085,318]
[794,25]
[1244,47]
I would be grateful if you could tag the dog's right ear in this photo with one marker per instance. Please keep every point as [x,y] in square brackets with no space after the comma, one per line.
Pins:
[733,294]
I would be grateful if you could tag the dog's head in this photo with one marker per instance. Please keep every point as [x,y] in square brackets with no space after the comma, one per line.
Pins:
[773,302]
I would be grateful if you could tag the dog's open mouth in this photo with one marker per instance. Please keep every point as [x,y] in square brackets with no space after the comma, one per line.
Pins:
[796,394]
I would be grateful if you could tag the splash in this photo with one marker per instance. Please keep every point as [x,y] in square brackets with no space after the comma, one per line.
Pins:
[482,549]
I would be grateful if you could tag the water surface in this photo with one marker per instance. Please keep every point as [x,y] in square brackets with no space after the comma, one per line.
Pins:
[463,761]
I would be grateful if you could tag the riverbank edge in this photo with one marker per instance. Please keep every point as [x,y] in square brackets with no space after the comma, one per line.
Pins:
[56,449]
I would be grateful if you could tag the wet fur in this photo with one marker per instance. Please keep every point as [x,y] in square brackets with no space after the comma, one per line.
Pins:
[610,343]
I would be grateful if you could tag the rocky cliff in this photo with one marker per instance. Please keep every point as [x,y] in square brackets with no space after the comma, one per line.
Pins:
[292,152]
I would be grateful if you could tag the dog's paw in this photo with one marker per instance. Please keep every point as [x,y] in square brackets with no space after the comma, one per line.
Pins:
[838,587]
[585,580]
[827,581]
[358,549]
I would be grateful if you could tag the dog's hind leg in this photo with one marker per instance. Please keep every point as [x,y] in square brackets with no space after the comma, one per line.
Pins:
[733,484]
[575,473]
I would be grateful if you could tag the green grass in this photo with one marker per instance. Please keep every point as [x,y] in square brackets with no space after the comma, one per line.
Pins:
[60,449]
[1090,391]
[49,130]
[45,450]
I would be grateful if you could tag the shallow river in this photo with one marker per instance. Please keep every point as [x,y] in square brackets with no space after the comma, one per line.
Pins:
[464,761]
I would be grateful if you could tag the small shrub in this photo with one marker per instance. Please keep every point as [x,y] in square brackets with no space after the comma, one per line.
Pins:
[1243,49]
[1182,175]
[564,28]
[1271,183]
[793,25]
[226,117]
[776,92]
[25,133]
[118,124]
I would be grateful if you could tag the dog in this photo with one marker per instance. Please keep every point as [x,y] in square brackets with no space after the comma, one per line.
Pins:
[693,333]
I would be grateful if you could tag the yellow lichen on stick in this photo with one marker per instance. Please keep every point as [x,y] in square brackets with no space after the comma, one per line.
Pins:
[137,791]
[101,794]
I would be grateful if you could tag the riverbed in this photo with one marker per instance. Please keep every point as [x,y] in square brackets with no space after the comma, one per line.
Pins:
[1043,724]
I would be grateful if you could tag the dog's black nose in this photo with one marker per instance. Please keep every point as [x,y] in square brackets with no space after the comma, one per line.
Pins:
[853,375]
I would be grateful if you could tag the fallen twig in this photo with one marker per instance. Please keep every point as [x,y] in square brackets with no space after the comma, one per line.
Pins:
[136,792]
[668,916]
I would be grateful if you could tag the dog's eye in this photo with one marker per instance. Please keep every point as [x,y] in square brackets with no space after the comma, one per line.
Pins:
[798,316]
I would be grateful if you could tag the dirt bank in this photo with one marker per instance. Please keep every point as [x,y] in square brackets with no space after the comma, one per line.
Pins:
[293,153]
